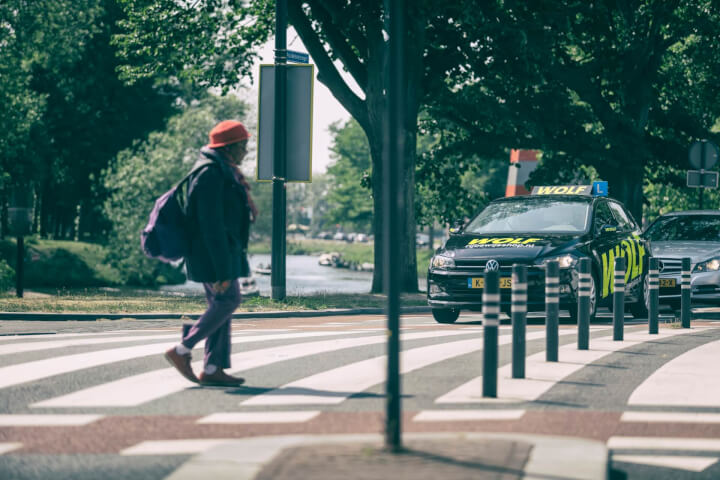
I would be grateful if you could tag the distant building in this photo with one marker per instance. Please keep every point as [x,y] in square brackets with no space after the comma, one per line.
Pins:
[522,163]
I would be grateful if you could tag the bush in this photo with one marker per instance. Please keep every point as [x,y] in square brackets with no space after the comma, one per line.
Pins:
[7,276]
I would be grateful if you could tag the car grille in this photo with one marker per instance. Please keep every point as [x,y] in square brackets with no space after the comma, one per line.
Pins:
[479,265]
[670,266]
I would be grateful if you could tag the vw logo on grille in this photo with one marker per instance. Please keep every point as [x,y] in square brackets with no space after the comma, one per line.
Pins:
[661,266]
[492,266]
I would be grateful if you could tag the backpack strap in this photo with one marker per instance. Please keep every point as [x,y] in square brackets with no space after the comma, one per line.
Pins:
[182,188]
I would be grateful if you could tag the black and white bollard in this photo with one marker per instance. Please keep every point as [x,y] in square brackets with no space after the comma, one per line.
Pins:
[584,280]
[519,319]
[653,295]
[685,293]
[619,299]
[552,310]
[491,322]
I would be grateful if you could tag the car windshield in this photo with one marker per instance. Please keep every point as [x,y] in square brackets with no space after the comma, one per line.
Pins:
[533,215]
[686,227]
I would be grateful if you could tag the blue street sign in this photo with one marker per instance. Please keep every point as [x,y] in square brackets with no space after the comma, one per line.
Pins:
[297,57]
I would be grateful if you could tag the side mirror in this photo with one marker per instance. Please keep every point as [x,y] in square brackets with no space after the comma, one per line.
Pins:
[607,229]
[457,227]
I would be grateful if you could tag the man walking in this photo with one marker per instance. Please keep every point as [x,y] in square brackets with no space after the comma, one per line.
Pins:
[219,213]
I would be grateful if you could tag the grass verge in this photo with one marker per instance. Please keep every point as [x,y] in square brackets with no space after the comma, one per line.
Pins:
[106,300]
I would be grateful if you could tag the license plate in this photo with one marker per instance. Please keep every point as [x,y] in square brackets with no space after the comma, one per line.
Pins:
[667,282]
[479,282]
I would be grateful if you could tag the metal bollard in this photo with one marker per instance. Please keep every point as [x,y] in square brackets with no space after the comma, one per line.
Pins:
[519,319]
[685,291]
[619,299]
[491,322]
[654,295]
[552,310]
[584,280]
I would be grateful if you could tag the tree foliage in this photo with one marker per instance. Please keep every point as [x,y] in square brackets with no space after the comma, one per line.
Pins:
[149,168]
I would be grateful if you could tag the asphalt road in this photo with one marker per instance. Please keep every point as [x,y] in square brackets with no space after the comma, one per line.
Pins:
[85,400]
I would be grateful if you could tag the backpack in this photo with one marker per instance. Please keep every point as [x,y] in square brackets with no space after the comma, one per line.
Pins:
[165,236]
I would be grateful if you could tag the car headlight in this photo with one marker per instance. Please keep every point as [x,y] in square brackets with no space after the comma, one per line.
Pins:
[564,261]
[442,262]
[712,265]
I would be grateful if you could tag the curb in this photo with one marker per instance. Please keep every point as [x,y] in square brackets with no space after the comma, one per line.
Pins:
[551,456]
[89,317]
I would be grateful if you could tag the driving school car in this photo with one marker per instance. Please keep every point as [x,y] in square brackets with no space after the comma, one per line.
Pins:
[694,234]
[561,223]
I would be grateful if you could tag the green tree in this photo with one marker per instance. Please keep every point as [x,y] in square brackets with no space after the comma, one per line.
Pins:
[183,39]
[619,86]
[143,172]
[349,198]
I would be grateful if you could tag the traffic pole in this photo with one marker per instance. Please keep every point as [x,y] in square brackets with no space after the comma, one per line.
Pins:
[685,290]
[583,306]
[619,299]
[653,295]
[519,319]
[552,310]
[279,193]
[392,169]
[491,322]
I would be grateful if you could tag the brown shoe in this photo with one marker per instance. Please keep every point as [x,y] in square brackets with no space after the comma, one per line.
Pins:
[181,364]
[220,379]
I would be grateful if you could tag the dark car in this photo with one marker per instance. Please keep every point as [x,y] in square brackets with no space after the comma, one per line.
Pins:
[554,223]
[694,234]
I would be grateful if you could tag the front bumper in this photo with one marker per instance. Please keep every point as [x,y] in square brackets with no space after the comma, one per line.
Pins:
[449,289]
[704,288]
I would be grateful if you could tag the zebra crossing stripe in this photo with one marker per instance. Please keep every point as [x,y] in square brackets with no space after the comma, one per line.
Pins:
[691,379]
[664,443]
[259,417]
[14,348]
[39,369]
[6,447]
[678,462]
[540,375]
[670,417]
[174,447]
[336,385]
[138,389]
[49,420]
[467,415]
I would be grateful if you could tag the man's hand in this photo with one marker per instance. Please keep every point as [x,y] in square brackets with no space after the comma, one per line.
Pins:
[220,287]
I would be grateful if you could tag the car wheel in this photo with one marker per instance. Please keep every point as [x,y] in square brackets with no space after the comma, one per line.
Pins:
[640,308]
[573,308]
[445,315]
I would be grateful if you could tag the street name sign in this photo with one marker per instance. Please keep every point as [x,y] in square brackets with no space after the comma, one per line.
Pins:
[297,57]
[298,121]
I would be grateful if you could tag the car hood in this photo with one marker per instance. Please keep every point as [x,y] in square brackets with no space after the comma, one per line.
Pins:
[525,247]
[697,251]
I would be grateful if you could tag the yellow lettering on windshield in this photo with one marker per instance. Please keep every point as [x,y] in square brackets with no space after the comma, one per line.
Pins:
[546,190]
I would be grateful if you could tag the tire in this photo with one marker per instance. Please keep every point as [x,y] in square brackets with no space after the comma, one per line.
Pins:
[639,309]
[445,315]
[573,309]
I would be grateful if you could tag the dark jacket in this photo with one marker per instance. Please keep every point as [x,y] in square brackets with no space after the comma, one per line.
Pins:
[219,222]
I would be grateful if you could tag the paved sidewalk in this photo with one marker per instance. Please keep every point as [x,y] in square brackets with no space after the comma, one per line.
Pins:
[446,456]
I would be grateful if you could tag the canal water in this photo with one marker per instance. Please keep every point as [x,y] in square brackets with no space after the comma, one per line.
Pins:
[304,276]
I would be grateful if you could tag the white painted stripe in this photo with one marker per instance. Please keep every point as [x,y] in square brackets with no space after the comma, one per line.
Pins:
[174,447]
[260,417]
[6,447]
[336,385]
[49,420]
[541,375]
[690,379]
[670,417]
[34,346]
[138,389]
[467,415]
[664,443]
[678,462]
[30,371]
[68,335]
